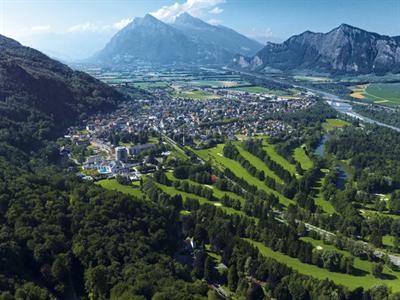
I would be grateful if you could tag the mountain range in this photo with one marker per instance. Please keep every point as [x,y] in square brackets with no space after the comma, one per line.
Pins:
[188,40]
[343,50]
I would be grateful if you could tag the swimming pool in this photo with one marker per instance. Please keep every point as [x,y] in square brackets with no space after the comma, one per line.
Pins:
[104,170]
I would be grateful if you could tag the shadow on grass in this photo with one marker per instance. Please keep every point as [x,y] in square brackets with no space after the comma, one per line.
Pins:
[386,276]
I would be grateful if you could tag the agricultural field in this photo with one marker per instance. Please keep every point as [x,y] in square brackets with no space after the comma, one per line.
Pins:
[357,91]
[263,90]
[150,84]
[218,83]
[365,279]
[379,93]
[254,89]
[195,95]
[314,79]
[114,185]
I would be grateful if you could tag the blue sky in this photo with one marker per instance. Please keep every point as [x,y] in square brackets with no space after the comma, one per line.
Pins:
[36,22]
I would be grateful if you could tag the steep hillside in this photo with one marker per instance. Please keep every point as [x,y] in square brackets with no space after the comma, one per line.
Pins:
[152,41]
[218,36]
[61,238]
[40,96]
[188,41]
[343,50]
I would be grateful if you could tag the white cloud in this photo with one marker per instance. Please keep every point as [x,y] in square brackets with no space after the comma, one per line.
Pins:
[98,27]
[40,28]
[122,23]
[214,21]
[194,7]
[216,10]
[84,27]
[263,35]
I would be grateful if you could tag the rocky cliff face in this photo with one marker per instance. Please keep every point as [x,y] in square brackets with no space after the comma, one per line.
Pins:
[344,50]
[218,36]
[188,41]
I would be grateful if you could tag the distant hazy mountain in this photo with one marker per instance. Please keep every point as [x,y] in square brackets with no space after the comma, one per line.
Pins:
[151,40]
[39,96]
[219,36]
[344,50]
[68,46]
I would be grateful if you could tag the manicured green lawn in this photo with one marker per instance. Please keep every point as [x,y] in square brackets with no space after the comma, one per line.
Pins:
[360,264]
[216,192]
[369,213]
[214,255]
[114,185]
[301,156]
[388,240]
[270,148]
[319,199]
[365,280]
[258,163]
[170,190]
[331,124]
[216,155]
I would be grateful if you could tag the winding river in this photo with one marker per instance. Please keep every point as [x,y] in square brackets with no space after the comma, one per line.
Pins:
[344,106]
[341,105]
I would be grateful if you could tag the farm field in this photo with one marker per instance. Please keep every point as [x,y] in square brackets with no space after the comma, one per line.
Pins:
[263,90]
[114,185]
[150,84]
[357,91]
[315,79]
[253,89]
[379,93]
[366,280]
[219,83]
[195,95]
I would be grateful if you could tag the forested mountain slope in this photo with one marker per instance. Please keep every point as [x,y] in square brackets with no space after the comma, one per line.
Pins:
[40,96]
[61,238]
